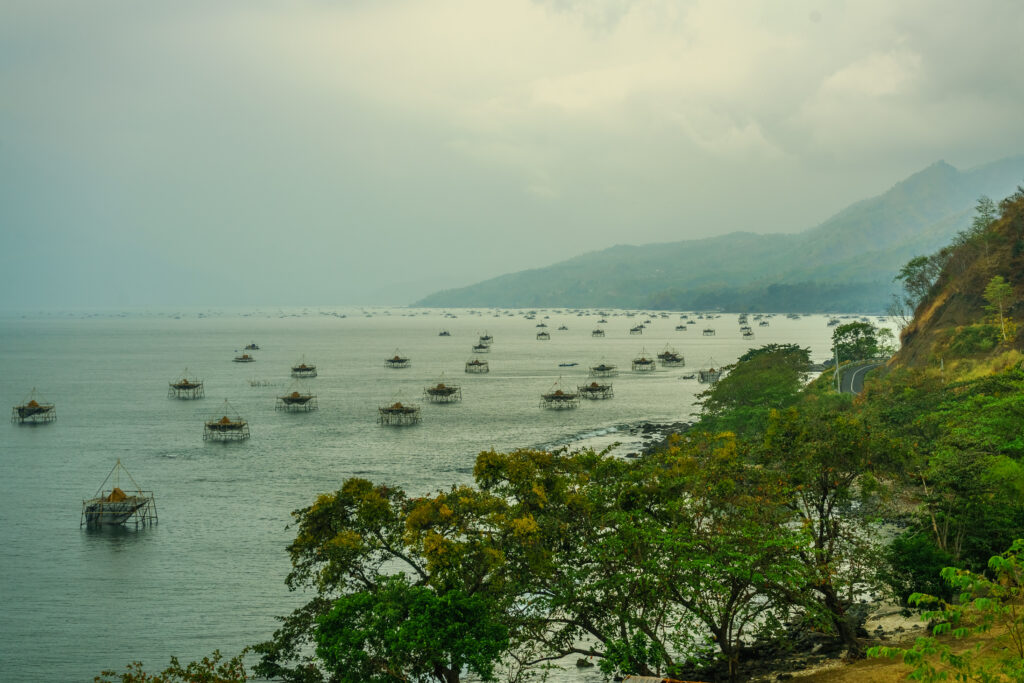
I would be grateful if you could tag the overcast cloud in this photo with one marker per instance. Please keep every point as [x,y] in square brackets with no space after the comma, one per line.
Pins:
[332,152]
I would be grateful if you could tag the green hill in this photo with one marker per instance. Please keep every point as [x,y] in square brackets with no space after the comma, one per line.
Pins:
[846,263]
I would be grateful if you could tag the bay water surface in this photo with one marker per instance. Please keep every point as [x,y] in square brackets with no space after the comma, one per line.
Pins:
[211,573]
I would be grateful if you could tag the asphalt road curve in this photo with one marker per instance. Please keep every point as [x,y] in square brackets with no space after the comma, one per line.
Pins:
[852,379]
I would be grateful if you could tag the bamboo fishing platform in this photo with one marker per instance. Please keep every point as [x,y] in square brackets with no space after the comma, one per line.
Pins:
[303,369]
[398,414]
[186,388]
[477,367]
[397,361]
[709,376]
[443,392]
[595,391]
[644,364]
[603,369]
[559,399]
[297,401]
[226,428]
[670,358]
[33,411]
[115,506]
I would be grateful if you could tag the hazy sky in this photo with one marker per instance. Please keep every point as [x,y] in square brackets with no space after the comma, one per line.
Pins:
[199,152]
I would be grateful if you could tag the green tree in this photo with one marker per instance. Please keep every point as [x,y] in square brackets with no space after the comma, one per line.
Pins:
[855,341]
[723,549]
[356,548]
[762,380]
[828,460]
[579,533]
[917,277]
[644,564]
[986,605]
[999,295]
[212,669]
[985,213]
[411,633]
[972,477]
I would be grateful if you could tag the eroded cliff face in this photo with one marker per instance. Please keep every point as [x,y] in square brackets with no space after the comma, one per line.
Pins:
[957,301]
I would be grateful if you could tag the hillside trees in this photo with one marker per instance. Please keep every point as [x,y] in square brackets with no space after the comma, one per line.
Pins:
[651,562]
[855,341]
[986,604]
[917,277]
[828,458]
[372,554]
[999,295]
[762,380]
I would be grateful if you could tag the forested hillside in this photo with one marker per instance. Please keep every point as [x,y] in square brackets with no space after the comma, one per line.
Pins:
[846,263]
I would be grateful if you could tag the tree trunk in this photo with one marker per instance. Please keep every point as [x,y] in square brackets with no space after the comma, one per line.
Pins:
[844,629]
[729,652]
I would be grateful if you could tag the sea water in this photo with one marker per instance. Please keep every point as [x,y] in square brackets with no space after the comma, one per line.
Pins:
[211,573]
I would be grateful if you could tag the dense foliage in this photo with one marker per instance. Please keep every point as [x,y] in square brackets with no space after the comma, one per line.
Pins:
[764,379]
[984,604]
[212,669]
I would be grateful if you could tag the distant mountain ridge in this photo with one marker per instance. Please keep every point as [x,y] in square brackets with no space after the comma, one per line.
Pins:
[846,263]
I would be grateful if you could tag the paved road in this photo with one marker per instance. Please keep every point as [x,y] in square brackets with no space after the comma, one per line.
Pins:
[851,381]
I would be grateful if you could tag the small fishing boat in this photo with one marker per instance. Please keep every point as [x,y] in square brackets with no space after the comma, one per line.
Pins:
[252,347]
[568,365]
[244,358]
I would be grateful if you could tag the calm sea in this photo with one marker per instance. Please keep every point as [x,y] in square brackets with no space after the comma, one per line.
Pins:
[211,573]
